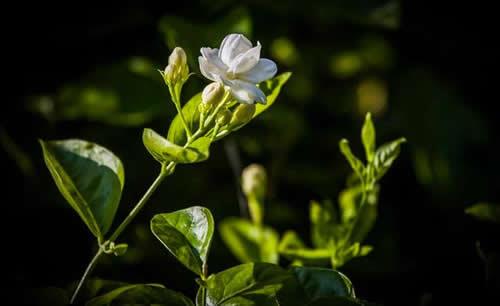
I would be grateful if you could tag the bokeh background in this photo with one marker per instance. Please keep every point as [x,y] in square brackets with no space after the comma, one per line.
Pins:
[423,70]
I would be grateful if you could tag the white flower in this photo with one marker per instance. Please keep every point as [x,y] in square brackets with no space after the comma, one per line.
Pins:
[238,66]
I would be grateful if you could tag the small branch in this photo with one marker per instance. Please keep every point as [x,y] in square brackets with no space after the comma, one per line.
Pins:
[86,274]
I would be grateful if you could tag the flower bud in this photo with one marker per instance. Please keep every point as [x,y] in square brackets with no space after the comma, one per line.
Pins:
[177,69]
[223,117]
[254,180]
[253,183]
[212,94]
[242,114]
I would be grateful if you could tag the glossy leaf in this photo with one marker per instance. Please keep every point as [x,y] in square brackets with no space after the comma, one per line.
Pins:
[292,248]
[355,163]
[246,284]
[187,234]
[485,211]
[368,137]
[250,242]
[176,131]
[385,156]
[164,151]
[90,178]
[141,294]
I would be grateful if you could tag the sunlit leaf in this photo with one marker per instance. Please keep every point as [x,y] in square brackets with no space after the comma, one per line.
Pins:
[164,151]
[355,163]
[187,234]
[176,131]
[368,137]
[292,248]
[250,242]
[90,178]
[324,223]
[385,156]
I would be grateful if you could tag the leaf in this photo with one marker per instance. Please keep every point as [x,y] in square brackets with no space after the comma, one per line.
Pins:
[187,234]
[368,137]
[324,223]
[141,294]
[246,284]
[346,252]
[355,163]
[292,247]
[90,178]
[385,156]
[349,201]
[176,131]
[164,151]
[110,94]
[271,89]
[320,282]
[485,212]
[250,242]
[366,217]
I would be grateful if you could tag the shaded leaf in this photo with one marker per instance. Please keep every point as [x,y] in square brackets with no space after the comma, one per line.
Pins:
[485,211]
[246,284]
[141,294]
[90,178]
[187,234]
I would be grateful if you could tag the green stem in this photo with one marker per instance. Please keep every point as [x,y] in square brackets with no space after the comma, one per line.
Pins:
[86,274]
[163,174]
[177,102]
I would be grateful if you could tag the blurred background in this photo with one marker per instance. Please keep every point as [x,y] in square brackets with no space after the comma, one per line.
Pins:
[424,72]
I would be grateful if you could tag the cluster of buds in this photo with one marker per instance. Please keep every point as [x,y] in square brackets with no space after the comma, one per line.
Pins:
[177,70]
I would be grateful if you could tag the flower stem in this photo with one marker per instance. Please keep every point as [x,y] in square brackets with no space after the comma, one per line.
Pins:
[86,274]
[163,174]
[177,102]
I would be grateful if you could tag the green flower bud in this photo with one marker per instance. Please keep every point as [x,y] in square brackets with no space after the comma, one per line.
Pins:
[254,181]
[212,94]
[242,114]
[177,69]
[223,117]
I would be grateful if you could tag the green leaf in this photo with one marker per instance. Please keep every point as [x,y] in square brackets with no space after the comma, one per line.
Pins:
[90,178]
[349,201]
[324,223]
[485,212]
[292,247]
[164,151]
[245,285]
[355,163]
[320,282]
[110,94]
[346,252]
[385,156]
[141,294]
[366,216]
[368,137]
[250,242]
[187,235]
[271,89]
[176,131]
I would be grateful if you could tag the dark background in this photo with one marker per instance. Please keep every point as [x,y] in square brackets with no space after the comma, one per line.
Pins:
[434,63]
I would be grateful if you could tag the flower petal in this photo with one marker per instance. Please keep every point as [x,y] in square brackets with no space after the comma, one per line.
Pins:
[212,57]
[245,61]
[246,92]
[207,69]
[264,70]
[231,46]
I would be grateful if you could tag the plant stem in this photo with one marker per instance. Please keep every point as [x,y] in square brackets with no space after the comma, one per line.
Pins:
[163,174]
[176,99]
[89,269]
